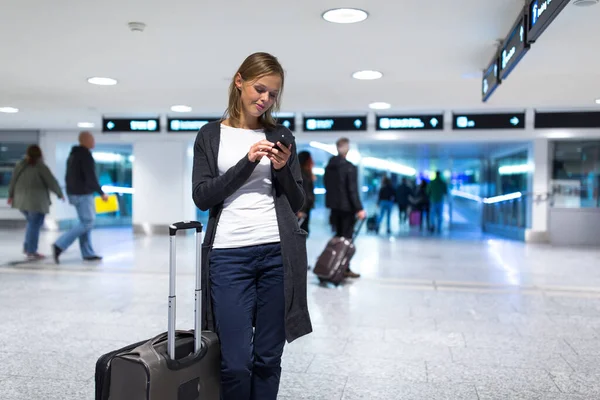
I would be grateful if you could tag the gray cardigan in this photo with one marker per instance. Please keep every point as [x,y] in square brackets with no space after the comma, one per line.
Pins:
[210,190]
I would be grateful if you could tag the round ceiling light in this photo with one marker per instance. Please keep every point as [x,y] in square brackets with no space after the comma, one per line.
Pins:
[597,101]
[85,125]
[181,108]
[9,110]
[585,3]
[345,15]
[379,105]
[97,80]
[367,75]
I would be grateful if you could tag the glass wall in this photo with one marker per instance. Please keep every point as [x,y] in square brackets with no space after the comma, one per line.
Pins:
[507,189]
[114,166]
[576,174]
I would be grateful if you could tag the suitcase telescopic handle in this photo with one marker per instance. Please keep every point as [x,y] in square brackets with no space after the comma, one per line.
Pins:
[173,228]
[185,225]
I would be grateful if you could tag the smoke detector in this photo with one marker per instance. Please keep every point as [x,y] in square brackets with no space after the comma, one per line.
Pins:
[136,26]
[585,3]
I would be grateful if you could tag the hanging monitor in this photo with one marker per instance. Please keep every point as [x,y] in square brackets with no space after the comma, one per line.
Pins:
[541,15]
[409,122]
[335,123]
[120,125]
[488,121]
[515,46]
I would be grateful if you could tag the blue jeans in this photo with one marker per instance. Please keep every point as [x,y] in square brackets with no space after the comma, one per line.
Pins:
[35,221]
[246,286]
[86,212]
[385,207]
[437,215]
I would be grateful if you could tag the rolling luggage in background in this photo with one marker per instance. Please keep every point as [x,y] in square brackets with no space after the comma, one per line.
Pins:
[334,260]
[178,365]
[415,218]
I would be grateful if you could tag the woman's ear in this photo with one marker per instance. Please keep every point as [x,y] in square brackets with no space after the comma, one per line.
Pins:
[238,81]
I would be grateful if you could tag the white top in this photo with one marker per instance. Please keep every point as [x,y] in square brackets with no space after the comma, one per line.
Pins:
[248,217]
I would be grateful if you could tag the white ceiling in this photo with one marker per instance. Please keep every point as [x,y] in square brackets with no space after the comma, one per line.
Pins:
[190,49]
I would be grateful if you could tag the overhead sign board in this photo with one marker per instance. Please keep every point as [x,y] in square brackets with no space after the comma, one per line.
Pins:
[491,79]
[188,124]
[335,124]
[541,15]
[589,119]
[120,125]
[409,122]
[288,122]
[488,121]
[514,47]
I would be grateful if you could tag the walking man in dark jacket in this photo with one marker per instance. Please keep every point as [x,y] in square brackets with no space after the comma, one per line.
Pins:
[342,196]
[82,183]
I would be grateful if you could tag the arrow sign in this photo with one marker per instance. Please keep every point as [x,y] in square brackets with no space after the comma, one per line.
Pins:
[110,125]
[514,121]
[357,123]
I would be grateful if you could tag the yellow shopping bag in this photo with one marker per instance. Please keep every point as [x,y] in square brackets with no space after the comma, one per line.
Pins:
[109,206]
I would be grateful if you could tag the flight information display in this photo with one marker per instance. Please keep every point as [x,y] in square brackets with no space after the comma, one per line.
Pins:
[335,124]
[130,125]
[584,119]
[409,122]
[288,122]
[491,79]
[188,124]
[488,121]
[541,14]
[514,48]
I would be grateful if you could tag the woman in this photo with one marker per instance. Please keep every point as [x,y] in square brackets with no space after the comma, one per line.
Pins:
[308,184]
[29,192]
[385,202]
[254,253]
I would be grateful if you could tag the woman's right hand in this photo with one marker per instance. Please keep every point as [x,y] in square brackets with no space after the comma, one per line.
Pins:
[259,149]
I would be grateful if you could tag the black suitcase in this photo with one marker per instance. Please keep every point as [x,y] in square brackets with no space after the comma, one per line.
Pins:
[178,365]
[333,262]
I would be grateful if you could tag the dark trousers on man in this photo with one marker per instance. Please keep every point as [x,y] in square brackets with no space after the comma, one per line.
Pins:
[343,223]
[246,286]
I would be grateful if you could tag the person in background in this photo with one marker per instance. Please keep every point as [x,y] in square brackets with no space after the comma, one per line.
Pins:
[403,193]
[422,205]
[342,196]
[82,183]
[29,192]
[436,191]
[251,182]
[308,183]
[386,203]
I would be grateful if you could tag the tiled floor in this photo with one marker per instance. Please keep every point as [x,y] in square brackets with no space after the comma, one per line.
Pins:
[461,317]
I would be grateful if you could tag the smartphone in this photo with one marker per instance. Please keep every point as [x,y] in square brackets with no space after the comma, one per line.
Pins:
[284,140]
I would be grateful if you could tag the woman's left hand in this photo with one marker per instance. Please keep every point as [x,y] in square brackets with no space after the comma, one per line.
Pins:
[279,155]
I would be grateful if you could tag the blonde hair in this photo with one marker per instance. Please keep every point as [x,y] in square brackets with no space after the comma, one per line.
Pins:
[254,67]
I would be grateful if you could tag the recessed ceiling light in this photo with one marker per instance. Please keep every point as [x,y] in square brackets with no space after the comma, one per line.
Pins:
[85,125]
[597,101]
[9,110]
[379,105]
[367,75]
[97,80]
[345,15]
[181,108]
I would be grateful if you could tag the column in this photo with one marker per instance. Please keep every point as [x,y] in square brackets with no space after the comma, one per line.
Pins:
[539,187]
[163,185]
